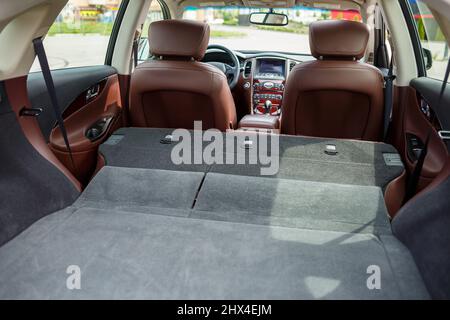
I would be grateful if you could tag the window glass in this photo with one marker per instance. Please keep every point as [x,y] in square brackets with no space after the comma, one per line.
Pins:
[230,27]
[432,39]
[80,35]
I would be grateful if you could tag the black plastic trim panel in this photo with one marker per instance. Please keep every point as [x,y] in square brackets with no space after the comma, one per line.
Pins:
[430,90]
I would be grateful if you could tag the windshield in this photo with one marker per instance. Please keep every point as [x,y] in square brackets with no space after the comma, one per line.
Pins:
[230,27]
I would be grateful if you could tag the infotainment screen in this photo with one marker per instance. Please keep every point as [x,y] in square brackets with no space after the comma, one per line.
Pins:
[271,66]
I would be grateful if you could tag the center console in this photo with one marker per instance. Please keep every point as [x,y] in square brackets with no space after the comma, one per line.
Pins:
[260,122]
[269,78]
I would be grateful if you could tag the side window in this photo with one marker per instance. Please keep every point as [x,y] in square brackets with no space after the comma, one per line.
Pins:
[435,48]
[80,35]
[155,13]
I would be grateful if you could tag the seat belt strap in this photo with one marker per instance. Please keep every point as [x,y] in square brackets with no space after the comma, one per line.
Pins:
[42,57]
[135,52]
[413,180]
[388,97]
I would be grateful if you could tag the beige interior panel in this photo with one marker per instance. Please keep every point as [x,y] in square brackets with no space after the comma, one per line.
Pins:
[134,16]
[16,57]
[405,60]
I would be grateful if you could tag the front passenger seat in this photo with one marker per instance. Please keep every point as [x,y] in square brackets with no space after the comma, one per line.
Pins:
[175,89]
[335,96]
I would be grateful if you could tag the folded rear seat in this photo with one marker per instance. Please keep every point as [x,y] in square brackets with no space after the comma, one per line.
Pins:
[147,241]
[312,188]
[293,203]
[150,229]
[301,158]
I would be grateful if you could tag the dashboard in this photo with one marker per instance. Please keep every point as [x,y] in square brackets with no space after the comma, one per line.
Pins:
[263,78]
[268,80]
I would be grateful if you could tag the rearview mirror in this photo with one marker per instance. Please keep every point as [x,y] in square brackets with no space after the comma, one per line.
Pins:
[269,19]
[428,58]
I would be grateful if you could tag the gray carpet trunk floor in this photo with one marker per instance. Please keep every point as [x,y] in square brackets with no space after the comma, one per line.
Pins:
[145,233]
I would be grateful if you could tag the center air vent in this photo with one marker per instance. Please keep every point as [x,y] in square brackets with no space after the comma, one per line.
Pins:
[247,69]
[292,64]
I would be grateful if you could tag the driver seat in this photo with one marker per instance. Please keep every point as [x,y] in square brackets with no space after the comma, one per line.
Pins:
[174,89]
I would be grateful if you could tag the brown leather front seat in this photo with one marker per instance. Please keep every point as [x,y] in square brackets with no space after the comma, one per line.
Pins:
[174,90]
[335,96]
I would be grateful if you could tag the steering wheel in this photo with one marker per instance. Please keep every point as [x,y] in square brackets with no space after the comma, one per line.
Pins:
[232,73]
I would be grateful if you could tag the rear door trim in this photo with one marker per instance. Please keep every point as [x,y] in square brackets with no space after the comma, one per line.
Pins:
[414,34]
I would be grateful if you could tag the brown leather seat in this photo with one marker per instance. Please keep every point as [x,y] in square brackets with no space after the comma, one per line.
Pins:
[174,90]
[335,96]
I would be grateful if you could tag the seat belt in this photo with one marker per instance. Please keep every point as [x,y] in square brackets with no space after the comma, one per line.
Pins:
[42,57]
[135,48]
[388,96]
[413,180]
[135,52]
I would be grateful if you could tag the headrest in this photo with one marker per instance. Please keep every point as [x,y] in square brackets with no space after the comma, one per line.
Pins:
[178,38]
[338,39]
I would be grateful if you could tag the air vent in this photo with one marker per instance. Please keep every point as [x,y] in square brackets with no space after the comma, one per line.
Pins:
[247,69]
[292,64]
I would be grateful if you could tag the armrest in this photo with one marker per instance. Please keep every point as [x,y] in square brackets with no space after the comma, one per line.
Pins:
[260,121]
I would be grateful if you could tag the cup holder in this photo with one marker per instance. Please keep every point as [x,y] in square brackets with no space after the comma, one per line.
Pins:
[98,129]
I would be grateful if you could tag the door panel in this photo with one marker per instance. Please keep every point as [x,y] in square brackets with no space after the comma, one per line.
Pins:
[417,123]
[410,122]
[69,84]
[418,113]
[90,99]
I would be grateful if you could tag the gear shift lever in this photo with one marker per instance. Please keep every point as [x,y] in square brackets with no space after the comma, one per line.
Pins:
[268,106]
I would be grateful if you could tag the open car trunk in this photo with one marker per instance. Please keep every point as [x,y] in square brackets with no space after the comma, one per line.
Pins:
[146,228]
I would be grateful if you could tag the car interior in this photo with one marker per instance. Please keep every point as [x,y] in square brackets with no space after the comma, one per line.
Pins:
[360,118]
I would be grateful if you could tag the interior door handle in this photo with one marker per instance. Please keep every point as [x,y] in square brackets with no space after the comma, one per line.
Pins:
[414,146]
[92,92]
